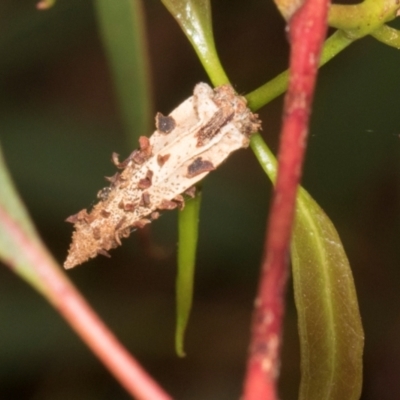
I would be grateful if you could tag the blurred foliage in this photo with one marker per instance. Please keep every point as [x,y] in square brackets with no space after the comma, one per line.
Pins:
[123,32]
[58,127]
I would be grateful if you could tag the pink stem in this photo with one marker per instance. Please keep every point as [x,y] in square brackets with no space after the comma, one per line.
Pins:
[307,30]
[73,307]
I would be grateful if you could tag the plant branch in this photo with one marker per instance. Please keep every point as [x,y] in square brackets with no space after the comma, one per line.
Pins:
[362,19]
[388,35]
[307,29]
[353,22]
[72,306]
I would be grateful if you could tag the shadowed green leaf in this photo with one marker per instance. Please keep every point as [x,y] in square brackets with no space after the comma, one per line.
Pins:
[188,233]
[13,216]
[121,24]
[330,329]
[194,17]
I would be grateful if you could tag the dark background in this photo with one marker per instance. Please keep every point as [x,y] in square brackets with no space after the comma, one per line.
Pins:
[59,124]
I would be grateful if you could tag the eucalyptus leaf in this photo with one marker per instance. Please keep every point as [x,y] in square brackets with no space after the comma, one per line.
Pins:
[194,17]
[330,329]
[14,220]
[188,233]
[11,203]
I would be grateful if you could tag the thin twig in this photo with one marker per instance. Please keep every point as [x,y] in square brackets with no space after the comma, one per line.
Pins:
[307,29]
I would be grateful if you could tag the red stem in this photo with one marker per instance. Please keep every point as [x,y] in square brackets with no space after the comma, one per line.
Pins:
[307,30]
[73,307]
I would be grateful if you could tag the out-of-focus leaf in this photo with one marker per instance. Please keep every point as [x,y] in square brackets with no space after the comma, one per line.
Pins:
[14,215]
[194,17]
[22,250]
[121,25]
[330,329]
[188,234]
[11,203]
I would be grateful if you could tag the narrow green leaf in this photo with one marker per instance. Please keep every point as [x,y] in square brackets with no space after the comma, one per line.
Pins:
[13,213]
[11,203]
[121,24]
[330,329]
[188,234]
[194,17]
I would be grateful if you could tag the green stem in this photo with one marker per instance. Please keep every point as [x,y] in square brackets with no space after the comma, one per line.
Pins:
[194,17]
[388,35]
[264,156]
[208,57]
[362,19]
[275,87]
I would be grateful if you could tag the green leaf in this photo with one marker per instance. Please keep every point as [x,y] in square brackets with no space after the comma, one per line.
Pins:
[194,17]
[14,219]
[330,329]
[188,233]
[121,24]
